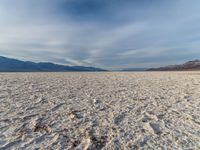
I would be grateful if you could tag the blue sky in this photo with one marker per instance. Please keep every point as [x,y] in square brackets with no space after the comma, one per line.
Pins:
[111,34]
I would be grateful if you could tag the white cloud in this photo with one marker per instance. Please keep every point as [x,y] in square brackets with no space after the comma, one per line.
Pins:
[39,31]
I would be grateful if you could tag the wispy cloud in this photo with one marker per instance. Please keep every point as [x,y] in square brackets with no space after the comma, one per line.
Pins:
[109,34]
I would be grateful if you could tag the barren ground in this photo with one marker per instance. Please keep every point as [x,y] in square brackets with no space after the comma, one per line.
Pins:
[158,110]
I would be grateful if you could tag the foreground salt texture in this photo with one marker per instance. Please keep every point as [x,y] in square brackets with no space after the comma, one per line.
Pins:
[159,110]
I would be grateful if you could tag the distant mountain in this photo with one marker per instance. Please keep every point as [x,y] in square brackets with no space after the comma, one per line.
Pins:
[14,65]
[190,65]
[134,69]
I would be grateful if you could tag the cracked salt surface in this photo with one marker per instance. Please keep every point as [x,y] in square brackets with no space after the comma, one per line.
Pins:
[150,110]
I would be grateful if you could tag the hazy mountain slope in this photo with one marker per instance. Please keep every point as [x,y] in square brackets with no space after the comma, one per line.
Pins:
[14,65]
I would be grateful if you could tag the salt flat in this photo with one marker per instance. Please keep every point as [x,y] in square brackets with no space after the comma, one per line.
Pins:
[147,110]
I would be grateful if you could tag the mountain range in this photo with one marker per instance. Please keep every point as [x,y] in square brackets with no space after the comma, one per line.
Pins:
[14,65]
[134,69]
[188,66]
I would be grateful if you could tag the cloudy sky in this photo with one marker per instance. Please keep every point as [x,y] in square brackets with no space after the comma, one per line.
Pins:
[111,34]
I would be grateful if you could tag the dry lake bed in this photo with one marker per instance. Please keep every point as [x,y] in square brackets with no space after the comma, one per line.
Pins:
[110,111]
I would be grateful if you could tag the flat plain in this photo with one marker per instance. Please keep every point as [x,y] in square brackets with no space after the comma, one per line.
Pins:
[101,110]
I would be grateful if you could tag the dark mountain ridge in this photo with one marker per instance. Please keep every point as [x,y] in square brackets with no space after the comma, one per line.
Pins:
[190,65]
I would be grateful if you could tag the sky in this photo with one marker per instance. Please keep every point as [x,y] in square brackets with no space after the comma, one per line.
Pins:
[110,34]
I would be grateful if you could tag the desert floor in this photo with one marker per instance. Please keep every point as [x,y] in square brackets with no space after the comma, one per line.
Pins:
[145,110]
